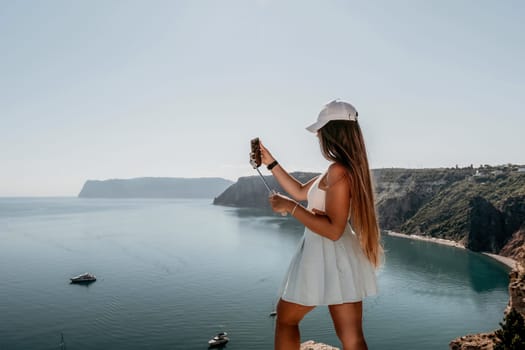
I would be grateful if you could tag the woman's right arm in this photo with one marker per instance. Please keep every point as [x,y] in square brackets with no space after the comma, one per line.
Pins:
[290,184]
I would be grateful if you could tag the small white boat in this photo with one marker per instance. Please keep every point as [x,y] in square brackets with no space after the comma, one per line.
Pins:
[218,340]
[84,278]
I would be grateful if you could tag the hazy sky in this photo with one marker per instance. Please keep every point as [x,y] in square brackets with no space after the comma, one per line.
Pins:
[121,89]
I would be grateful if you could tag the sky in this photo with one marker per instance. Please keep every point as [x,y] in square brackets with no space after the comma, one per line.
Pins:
[122,89]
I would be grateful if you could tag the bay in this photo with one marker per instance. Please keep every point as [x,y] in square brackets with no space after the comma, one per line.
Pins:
[173,272]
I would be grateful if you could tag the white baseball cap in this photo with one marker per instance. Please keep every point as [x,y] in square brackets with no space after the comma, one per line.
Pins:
[335,110]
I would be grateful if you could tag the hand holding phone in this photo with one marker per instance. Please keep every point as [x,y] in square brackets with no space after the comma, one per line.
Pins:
[256,161]
[255,155]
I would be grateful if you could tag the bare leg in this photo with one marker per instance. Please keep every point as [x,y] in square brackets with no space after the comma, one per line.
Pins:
[289,315]
[347,320]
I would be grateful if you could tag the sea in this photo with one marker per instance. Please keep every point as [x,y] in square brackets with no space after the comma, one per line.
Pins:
[171,273]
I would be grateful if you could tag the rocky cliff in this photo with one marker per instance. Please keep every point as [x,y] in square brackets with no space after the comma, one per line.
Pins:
[401,193]
[516,249]
[155,187]
[485,211]
[482,214]
[251,192]
[492,340]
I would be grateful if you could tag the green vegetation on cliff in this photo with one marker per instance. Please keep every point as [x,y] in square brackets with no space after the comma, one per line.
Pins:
[400,193]
[512,332]
[480,212]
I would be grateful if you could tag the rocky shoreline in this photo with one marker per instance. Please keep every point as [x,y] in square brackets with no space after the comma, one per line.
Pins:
[510,262]
[488,341]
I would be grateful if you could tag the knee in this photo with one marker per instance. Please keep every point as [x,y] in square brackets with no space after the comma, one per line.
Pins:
[285,320]
[290,314]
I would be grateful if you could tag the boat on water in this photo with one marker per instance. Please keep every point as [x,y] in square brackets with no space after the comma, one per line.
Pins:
[218,340]
[84,278]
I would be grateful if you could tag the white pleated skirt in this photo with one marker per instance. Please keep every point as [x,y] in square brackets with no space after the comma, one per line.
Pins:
[326,272]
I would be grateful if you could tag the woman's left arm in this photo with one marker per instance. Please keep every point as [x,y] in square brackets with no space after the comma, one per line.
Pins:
[332,223]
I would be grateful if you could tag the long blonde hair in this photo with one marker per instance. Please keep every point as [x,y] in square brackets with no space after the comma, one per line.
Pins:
[342,141]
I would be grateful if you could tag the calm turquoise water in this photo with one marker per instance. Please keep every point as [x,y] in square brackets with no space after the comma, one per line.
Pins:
[172,273]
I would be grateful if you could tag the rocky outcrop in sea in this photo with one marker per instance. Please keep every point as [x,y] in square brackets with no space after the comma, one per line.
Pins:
[250,191]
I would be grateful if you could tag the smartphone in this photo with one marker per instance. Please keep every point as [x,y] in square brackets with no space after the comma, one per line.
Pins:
[256,151]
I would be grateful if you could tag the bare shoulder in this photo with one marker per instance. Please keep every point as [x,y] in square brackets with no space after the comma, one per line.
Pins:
[336,172]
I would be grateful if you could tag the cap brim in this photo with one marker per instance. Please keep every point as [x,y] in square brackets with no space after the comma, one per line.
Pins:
[315,126]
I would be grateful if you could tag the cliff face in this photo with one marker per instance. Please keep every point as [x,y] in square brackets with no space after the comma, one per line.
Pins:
[401,193]
[513,211]
[517,291]
[515,248]
[251,192]
[483,217]
[502,224]
[481,214]
[155,187]
[482,341]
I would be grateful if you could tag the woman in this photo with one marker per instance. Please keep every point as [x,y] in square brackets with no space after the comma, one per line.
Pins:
[333,265]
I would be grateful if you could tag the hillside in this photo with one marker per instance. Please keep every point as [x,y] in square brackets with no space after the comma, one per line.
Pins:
[249,191]
[401,193]
[480,212]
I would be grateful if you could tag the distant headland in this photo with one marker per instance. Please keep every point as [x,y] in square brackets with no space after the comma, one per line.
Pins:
[155,187]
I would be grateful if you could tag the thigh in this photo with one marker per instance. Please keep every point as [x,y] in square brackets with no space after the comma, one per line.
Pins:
[291,313]
[347,318]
